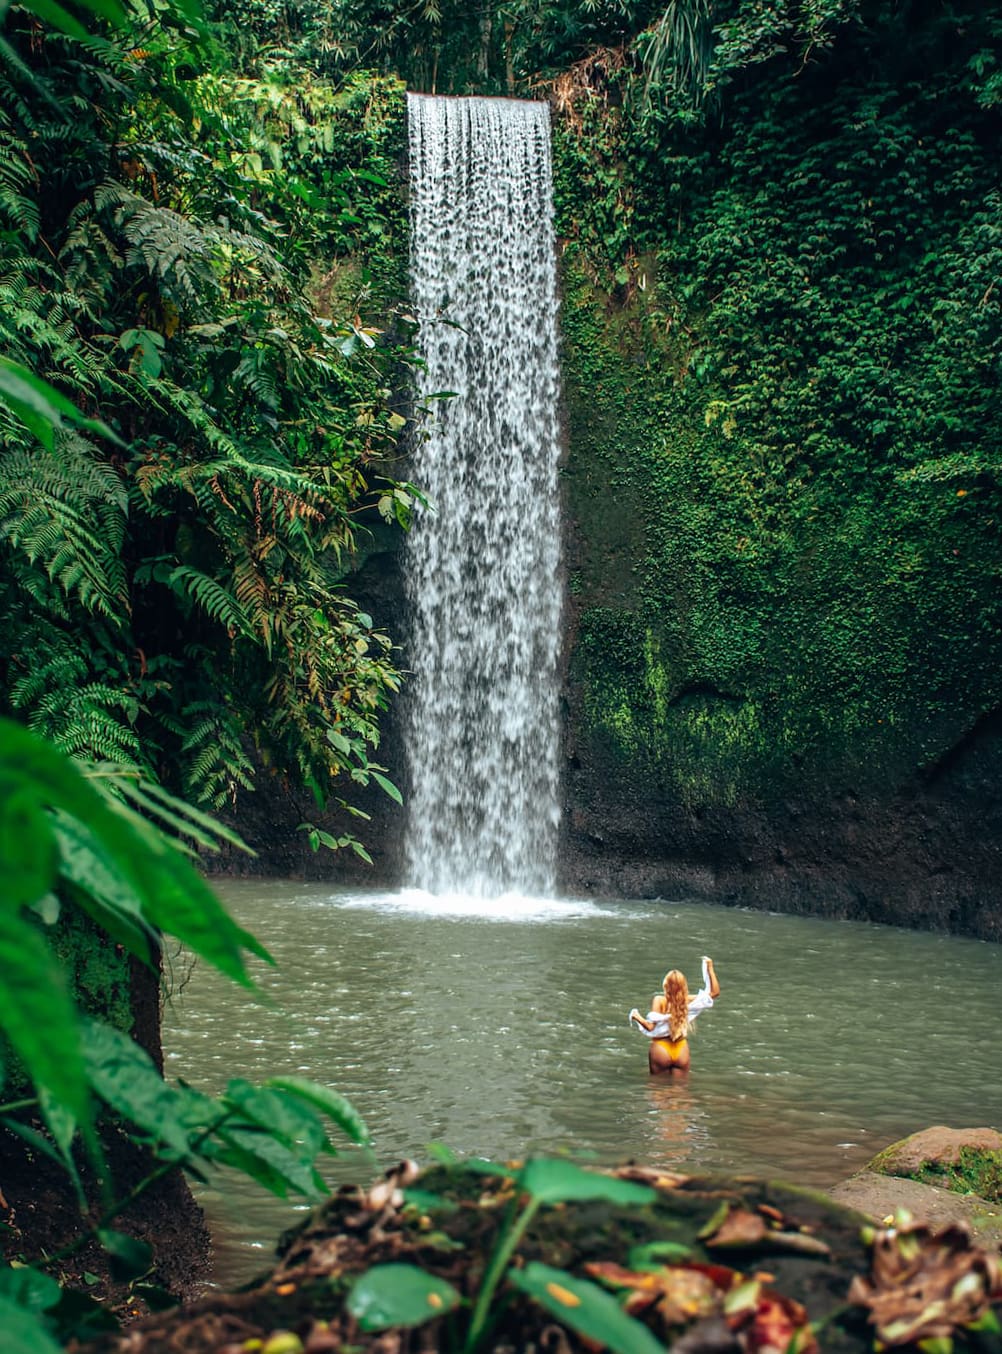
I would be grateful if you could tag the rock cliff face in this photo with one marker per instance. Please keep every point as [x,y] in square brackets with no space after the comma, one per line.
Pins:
[745,734]
[784,682]
[927,855]
[779,731]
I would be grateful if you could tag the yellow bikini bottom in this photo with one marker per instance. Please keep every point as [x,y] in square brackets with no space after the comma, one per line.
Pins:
[673,1047]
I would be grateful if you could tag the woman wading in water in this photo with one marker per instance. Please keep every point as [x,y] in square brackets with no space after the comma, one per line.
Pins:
[671,1014]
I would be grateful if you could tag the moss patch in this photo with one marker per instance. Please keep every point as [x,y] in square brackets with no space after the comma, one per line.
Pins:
[976,1172]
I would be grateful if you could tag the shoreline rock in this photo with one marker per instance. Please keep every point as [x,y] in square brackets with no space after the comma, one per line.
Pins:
[898,1178]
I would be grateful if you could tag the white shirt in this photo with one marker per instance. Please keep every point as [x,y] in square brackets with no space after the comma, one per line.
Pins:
[702,1001]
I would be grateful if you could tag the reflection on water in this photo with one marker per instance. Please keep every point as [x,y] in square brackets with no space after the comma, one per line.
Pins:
[680,1128]
[508,1034]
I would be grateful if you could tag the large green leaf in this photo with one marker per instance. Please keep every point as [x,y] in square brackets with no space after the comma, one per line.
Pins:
[63,1127]
[136,936]
[27,849]
[130,1258]
[554,1181]
[59,18]
[296,1168]
[100,889]
[332,1103]
[387,785]
[176,813]
[229,1154]
[37,1014]
[483,1166]
[285,1118]
[586,1308]
[171,893]
[399,1295]
[126,1079]
[29,1288]
[39,406]
[177,900]
[23,1331]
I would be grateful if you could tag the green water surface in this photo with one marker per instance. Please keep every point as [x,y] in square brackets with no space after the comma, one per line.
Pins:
[501,1030]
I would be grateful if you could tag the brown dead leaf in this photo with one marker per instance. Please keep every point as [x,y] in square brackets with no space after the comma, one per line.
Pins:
[650,1175]
[738,1228]
[925,1284]
[742,1228]
[681,1293]
[799,1242]
[723,1276]
[778,1326]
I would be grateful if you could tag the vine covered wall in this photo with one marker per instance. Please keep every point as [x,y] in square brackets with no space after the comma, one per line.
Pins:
[781,350]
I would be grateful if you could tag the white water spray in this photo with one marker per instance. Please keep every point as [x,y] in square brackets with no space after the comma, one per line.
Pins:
[483,568]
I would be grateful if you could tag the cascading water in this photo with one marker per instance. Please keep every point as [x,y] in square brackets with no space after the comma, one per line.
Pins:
[483,567]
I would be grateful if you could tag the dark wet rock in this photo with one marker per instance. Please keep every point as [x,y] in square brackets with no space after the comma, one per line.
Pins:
[925,856]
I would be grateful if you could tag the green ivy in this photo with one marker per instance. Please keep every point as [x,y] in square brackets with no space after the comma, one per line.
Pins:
[782,343]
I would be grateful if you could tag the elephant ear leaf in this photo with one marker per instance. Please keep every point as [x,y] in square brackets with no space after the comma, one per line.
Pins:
[555,1181]
[24,1331]
[36,1012]
[586,1308]
[399,1295]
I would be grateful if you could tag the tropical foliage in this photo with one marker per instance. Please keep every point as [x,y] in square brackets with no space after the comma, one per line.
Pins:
[95,841]
[682,52]
[190,441]
[173,239]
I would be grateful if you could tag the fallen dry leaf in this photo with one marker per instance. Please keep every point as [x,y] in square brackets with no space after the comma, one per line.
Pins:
[778,1326]
[742,1228]
[925,1284]
[679,1292]
[650,1175]
[738,1228]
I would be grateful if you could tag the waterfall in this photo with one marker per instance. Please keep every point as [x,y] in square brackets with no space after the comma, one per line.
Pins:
[482,567]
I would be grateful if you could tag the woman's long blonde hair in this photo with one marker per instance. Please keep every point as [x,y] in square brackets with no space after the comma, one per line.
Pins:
[676,991]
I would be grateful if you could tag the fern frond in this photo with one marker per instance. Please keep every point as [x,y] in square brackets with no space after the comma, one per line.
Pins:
[62,670]
[188,257]
[89,721]
[209,596]
[17,175]
[65,511]
[216,764]
[255,372]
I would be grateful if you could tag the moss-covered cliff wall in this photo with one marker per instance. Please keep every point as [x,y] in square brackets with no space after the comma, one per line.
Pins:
[781,351]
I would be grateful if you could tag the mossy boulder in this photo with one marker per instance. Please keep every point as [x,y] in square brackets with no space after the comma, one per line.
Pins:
[967,1160]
